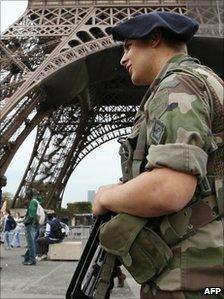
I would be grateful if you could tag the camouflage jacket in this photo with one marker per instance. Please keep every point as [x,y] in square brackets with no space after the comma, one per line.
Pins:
[182,135]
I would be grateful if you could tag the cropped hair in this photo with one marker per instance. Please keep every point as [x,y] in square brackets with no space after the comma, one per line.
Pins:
[168,38]
[171,40]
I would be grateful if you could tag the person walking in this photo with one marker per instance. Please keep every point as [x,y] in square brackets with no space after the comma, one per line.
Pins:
[16,242]
[3,202]
[170,204]
[8,225]
[31,225]
[3,183]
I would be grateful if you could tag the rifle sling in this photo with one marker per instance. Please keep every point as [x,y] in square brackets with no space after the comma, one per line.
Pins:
[103,283]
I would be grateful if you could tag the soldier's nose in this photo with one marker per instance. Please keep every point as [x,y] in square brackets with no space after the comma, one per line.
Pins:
[123,60]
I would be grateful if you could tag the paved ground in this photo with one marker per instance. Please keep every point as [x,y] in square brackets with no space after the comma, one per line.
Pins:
[48,279]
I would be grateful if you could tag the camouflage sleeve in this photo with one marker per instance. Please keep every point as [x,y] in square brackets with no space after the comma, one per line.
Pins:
[178,126]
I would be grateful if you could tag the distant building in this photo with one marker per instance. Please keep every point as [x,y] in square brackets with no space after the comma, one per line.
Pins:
[90,195]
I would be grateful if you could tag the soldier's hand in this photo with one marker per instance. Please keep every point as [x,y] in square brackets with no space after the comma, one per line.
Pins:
[104,191]
[98,209]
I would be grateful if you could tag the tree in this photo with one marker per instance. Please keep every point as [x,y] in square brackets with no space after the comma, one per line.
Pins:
[79,207]
[8,197]
[63,213]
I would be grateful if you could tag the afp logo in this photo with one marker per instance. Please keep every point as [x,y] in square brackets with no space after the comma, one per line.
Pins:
[211,291]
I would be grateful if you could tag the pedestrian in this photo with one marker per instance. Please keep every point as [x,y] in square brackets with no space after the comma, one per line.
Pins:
[55,232]
[168,230]
[3,183]
[16,242]
[120,277]
[8,225]
[31,226]
[3,203]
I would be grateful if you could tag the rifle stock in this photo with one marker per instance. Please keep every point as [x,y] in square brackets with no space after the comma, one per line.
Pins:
[82,285]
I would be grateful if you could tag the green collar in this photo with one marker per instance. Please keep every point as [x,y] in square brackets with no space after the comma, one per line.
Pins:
[173,62]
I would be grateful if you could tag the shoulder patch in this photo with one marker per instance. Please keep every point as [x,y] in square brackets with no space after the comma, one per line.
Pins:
[158,130]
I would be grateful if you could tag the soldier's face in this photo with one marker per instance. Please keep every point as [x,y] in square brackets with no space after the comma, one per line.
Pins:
[137,60]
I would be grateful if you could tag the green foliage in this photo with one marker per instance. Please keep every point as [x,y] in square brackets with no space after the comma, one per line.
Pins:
[79,207]
[8,197]
[62,212]
[41,187]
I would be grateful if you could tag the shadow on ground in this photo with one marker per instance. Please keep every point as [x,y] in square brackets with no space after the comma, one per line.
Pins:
[48,279]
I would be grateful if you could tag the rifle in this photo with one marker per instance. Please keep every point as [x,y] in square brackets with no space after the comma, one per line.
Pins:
[87,273]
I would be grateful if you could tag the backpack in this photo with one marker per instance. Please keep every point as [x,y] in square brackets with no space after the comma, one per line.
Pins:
[57,230]
[40,213]
[13,223]
[65,228]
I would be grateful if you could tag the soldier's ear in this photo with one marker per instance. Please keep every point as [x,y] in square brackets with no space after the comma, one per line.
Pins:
[155,38]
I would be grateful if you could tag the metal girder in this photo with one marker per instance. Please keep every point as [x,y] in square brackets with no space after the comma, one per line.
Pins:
[53,77]
[68,135]
[102,3]
[10,56]
[66,53]
[209,14]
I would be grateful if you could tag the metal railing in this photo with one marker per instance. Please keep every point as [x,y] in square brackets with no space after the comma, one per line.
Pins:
[80,232]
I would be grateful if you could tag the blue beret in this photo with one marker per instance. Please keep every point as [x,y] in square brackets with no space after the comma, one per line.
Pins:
[181,26]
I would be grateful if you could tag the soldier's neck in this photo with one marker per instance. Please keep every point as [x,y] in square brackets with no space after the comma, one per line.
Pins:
[164,56]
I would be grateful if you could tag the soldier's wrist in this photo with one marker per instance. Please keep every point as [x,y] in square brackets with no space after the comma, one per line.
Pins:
[109,198]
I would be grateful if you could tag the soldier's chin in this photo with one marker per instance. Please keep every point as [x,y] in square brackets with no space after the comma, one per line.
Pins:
[136,80]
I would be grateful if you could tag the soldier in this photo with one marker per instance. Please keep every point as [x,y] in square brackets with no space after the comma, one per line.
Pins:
[174,170]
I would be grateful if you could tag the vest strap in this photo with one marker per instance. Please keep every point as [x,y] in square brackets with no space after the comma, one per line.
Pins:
[208,87]
[205,186]
[139,152]
[219,189]
[185,223]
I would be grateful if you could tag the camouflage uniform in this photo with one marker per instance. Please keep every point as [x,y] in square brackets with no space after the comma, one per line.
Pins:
[182,135]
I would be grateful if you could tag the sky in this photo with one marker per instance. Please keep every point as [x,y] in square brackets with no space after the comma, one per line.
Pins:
[100,167]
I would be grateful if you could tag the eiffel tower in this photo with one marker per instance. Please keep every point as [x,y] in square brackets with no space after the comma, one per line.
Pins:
[61,74]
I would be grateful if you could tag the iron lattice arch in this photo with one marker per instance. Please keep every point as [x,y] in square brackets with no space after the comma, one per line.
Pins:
[61,74]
